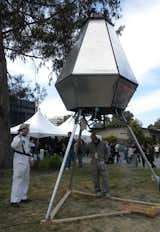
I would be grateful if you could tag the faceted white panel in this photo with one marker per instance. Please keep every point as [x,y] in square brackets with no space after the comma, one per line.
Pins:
[96,54]
[121,59]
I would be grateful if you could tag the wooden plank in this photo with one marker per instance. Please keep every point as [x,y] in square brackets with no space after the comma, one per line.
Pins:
[59,205]
[84,193]
[119,199]
[135,201]
[73,219]
[147,210]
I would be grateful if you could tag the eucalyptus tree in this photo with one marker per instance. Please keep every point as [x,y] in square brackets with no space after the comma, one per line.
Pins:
[40,29]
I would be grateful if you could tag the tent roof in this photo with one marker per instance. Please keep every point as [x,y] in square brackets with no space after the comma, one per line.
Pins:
[40,127]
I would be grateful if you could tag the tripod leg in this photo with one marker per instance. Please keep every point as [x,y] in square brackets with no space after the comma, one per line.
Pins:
[74,162]
[61,169]
[156,178]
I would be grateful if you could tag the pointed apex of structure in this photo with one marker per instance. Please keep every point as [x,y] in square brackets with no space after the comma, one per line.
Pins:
[97,63]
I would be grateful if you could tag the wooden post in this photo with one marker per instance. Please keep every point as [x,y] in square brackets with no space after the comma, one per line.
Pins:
[60,203]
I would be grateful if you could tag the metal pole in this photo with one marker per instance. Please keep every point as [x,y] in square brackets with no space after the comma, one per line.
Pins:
[61,169]
[74,162]
[157,179]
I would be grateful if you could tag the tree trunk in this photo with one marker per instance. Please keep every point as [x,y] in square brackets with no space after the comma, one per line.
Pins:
[5,157]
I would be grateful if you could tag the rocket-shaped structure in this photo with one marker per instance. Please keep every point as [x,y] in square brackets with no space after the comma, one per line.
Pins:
[96,74]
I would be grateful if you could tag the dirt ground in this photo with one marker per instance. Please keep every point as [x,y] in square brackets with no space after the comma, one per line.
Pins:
[130,183]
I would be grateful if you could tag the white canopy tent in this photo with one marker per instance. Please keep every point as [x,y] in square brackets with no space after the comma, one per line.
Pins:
[40,127]
[68,126]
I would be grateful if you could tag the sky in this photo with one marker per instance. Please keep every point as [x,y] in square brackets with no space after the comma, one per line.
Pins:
[141,43]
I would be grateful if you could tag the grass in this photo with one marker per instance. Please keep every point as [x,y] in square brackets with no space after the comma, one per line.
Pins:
[134,183]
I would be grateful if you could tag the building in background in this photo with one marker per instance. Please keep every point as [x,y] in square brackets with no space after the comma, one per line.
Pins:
[20,111]
[122,133]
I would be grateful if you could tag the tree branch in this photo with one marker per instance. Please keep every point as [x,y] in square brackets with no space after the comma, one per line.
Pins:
[36,22]
[23,54]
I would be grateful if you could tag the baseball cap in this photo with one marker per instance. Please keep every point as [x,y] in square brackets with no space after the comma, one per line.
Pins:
[24,126]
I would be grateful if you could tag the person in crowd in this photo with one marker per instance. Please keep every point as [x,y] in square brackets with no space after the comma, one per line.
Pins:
[79,150]
[21,166]
[46,149]
[32,145]
[149,152]
[126,152]
[133,155]
[117,152]
[33,148]
[144,150]
[130,154]
[156,154]
[121,153]
[70,157]
[37,149]
[113,153]
[138,155]
[108,151]
[59,147]
[54,144]
[156,150]
[97,150]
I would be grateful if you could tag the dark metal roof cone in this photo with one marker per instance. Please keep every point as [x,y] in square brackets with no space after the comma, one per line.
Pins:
[96,72]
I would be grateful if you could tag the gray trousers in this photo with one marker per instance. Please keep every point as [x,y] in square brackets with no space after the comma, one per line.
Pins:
[100,176]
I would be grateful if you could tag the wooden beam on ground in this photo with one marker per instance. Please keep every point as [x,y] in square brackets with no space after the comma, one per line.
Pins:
[119,199]
[60,203]
[79,218]
[150,211]
[84,193]
[134,201]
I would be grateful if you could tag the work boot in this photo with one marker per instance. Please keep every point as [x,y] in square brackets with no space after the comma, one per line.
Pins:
[15,204]
[107,195]
[98,194]
[25,201]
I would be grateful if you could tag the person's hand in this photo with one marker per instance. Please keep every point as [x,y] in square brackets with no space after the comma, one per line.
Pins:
[21,133]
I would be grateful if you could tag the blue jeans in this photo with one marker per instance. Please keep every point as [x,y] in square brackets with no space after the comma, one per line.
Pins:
[70,158]
[80,157]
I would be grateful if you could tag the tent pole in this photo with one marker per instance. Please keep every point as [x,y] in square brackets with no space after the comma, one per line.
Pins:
[55,189]
[156,177]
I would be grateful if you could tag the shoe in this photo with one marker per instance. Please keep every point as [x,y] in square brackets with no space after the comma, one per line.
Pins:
[107,195]
[98,194]
[25,201]
[15,204]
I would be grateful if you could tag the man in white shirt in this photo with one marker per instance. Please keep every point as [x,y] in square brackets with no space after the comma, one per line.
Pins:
[21,166]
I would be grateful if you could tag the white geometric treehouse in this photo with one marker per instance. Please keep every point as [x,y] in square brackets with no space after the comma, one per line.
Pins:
[96,77]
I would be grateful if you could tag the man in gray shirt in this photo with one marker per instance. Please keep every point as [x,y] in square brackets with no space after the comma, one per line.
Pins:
[99,155]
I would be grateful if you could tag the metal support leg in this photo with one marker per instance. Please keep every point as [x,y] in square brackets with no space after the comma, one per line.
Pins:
[74,163]
[47,216]
[156,177]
